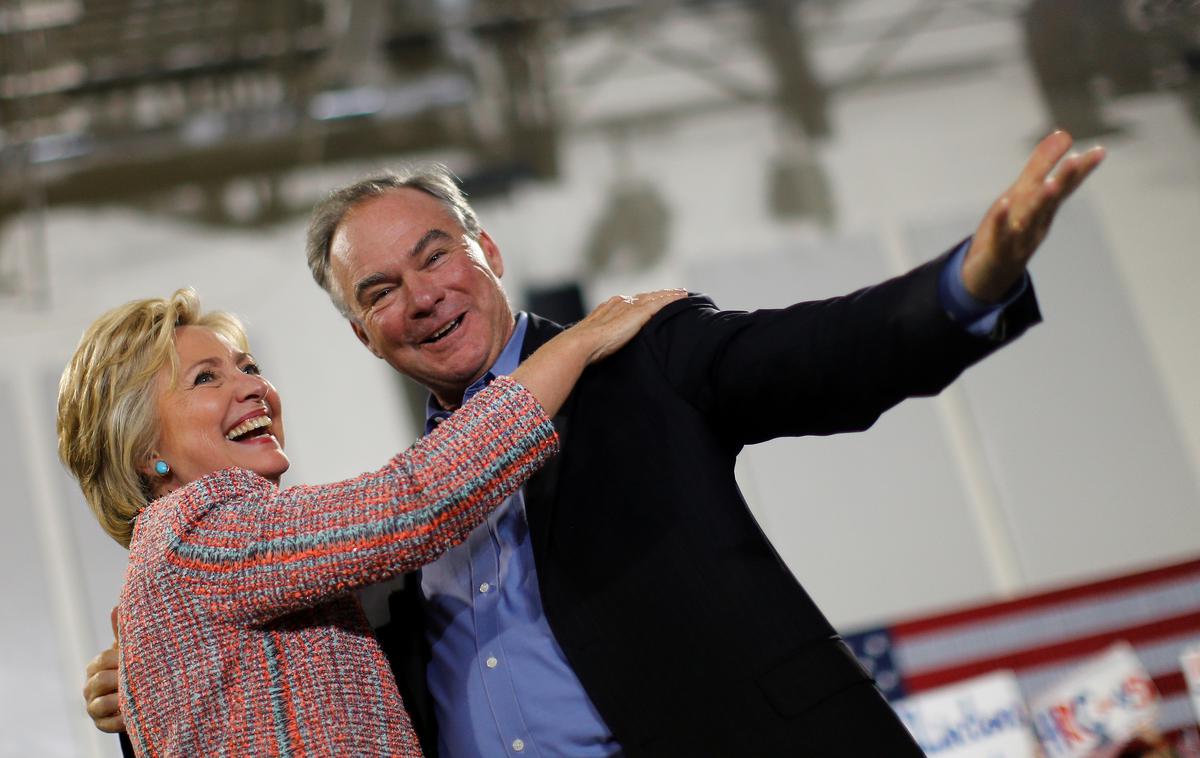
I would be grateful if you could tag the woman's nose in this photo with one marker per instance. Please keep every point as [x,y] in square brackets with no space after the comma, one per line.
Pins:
[252,387]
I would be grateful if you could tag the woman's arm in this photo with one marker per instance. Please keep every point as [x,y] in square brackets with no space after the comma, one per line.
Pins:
[256,552]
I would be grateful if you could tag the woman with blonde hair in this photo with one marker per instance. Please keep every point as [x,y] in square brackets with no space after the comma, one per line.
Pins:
[239,632]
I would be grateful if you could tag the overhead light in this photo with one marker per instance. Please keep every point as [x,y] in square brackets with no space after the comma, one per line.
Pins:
[58,147]
[58,78]
[28,17]
[347,103]
[407,99]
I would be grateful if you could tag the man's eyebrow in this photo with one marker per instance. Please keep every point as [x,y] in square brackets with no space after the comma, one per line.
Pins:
[370,280]
[429,236]
[366,283]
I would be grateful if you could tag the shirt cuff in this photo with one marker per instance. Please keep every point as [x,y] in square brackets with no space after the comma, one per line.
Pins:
[977,317]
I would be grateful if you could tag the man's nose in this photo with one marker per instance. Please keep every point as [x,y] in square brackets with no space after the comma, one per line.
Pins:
[424,294]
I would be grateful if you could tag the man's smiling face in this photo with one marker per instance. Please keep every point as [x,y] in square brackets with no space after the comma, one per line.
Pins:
[421,293]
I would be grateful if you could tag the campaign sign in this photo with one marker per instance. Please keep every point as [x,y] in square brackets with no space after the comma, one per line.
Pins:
[1189,663]
[1098,707]
[976,718]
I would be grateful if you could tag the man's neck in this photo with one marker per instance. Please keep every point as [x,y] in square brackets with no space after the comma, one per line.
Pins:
[450,399]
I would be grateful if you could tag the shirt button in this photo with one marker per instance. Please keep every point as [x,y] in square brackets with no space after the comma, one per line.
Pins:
[492,662]
[518,745]
[484,587]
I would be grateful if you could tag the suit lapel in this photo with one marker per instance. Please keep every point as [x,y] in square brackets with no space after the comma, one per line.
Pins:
[542,488]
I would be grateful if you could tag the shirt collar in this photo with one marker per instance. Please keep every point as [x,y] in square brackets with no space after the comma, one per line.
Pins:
[506,363]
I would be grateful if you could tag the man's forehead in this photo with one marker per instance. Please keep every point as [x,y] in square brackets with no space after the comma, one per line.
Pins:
[391,222]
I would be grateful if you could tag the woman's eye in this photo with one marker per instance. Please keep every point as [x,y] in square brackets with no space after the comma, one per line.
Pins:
[204,377]
[252,368]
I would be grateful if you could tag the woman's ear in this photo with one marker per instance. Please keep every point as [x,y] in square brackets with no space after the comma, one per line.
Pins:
[159,475]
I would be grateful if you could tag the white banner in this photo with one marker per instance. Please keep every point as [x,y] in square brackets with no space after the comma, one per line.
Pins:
[983,717]
[1098,707]
[1189,663]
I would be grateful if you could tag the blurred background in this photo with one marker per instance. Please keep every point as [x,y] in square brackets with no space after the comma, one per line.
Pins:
[762,152]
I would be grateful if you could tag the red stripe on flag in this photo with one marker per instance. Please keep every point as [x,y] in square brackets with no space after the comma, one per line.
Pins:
[1104,587]
[1043,655]
[1170,684]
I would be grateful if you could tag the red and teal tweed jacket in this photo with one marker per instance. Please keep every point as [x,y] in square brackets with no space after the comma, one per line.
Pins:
[239,635]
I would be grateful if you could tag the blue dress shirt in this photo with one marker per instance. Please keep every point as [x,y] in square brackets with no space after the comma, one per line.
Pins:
[499,680]
[977,317]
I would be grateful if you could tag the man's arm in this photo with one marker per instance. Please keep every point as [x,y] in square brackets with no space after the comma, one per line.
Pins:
[836,365]
[100,691]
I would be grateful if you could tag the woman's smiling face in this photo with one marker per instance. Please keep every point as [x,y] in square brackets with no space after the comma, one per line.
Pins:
[221,413]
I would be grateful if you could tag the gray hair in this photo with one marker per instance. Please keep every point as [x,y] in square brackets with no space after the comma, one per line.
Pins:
[433,179]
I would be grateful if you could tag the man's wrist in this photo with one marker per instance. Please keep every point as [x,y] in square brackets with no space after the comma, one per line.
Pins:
[974,315]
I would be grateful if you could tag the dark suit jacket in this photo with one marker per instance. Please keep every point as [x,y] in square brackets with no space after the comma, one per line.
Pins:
[690,635]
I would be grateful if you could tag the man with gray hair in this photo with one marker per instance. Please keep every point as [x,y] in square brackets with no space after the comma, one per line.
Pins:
[625,601]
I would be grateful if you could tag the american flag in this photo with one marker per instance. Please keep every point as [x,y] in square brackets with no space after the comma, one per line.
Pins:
[1043,636]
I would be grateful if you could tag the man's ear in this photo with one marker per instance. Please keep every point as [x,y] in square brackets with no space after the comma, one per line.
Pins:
[491,253]
[363,337]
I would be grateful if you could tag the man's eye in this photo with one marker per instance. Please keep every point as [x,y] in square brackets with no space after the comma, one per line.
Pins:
[379,294]
[204,377]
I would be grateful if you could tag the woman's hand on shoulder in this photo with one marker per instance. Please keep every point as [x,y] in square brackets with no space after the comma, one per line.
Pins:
[614,322]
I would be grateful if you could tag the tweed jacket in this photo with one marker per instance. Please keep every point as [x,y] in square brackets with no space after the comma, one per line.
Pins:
[239,635]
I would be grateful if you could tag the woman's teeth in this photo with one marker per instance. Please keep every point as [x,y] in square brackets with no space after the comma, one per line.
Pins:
[249,425]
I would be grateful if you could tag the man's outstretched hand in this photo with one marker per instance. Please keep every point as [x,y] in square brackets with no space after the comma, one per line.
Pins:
[100,689]
[1018,221]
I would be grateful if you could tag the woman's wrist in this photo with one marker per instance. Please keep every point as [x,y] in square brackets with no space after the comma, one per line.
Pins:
[578,345]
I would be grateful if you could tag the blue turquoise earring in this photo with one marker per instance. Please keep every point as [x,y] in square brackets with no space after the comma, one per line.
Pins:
[161,468]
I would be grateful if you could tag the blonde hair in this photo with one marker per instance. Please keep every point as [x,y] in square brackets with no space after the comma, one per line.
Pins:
[107,415]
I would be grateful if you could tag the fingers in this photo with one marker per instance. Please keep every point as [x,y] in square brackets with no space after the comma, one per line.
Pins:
[1020,219]
[1076,168]
[647,303]
[1036,196]
[650,303]
[105,713]
[1045,201]
[612,324]
[112,617]
[660,297]
[100,692]
[1044,158]
[106,660]
[103,705]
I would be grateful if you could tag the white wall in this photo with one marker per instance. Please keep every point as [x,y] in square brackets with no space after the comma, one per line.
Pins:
[1072,453]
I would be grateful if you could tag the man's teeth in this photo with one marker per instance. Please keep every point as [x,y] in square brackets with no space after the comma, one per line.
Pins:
[443,331]
[249,425]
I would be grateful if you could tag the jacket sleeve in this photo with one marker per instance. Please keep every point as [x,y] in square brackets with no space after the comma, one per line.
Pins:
[825,366]
[255,552]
